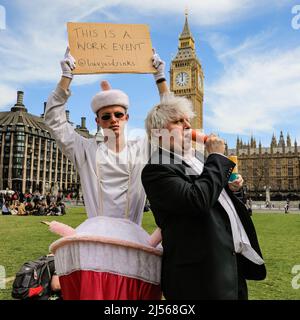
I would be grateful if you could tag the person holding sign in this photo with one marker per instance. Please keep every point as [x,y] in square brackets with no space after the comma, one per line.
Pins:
[109,256]
[209,241]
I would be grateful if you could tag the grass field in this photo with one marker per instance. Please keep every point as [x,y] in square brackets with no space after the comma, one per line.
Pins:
[25,238]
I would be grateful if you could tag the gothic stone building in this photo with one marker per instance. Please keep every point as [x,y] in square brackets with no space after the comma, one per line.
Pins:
[29,157]
[276,168]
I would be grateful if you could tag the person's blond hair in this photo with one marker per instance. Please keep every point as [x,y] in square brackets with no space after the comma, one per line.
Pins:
[171,108]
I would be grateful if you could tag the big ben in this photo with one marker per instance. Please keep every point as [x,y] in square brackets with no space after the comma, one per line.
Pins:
[186,75]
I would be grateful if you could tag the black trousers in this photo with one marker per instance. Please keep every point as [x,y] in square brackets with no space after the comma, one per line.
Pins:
[242,284]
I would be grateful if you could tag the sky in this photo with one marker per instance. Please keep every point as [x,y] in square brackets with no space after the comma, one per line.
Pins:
[249,51]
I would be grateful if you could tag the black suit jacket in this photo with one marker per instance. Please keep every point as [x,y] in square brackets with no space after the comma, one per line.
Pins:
[199,261]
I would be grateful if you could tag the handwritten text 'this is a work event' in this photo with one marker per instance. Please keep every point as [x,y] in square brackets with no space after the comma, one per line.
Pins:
[87,40]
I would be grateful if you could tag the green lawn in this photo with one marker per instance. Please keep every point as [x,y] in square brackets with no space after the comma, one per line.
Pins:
[25,238]
[279,237]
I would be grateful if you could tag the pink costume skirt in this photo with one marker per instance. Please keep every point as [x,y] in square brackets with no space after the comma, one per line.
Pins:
[108,259]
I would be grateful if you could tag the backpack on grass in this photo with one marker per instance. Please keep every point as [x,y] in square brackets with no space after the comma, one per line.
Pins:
[33,280]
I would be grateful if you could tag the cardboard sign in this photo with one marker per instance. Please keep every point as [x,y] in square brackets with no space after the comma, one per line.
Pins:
[110,48]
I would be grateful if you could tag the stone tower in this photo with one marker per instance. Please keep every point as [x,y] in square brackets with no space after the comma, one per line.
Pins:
[186,75]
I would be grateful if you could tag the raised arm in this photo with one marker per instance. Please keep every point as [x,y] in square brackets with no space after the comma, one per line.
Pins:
[159,76]
[68,64]
[69,141]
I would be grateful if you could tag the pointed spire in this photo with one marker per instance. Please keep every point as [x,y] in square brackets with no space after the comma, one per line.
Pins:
[288,140]
[281,142]
[259,146]
[237,143]
[186,33]
[253,142]
[274,141]
[186,40]
[295,146]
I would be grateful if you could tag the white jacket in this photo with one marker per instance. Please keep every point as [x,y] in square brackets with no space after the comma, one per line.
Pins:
[109,188]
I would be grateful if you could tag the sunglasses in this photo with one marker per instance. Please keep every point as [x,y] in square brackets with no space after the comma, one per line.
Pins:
[118,115]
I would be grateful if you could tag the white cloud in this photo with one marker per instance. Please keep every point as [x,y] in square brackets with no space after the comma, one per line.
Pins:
[207,12]
[259,88]
[8,96]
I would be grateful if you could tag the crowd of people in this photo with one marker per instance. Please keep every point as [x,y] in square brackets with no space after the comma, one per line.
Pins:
[34,204]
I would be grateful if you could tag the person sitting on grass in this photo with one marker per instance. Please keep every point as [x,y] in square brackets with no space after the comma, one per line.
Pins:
[29,207]
[6,209]
[21,209]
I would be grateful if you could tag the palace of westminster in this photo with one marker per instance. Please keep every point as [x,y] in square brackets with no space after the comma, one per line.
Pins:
[30,159]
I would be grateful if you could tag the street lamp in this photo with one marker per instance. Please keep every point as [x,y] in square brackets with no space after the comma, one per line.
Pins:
[268,197]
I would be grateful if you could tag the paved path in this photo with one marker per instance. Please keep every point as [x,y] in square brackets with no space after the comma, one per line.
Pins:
[256,210]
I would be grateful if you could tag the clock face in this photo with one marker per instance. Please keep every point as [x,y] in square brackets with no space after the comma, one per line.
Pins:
[182,79]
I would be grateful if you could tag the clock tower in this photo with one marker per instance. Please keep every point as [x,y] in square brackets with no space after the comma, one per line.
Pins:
[186,75]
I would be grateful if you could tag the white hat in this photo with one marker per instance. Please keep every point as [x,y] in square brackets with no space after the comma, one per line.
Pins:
[109,97]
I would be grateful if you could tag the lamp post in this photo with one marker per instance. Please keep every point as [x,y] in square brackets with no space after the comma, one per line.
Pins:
[268,197]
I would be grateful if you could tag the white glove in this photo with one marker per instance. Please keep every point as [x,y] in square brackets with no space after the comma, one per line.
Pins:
[68,64]
[159,65]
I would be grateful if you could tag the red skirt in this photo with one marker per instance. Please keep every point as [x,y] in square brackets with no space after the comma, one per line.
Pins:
[91,285]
